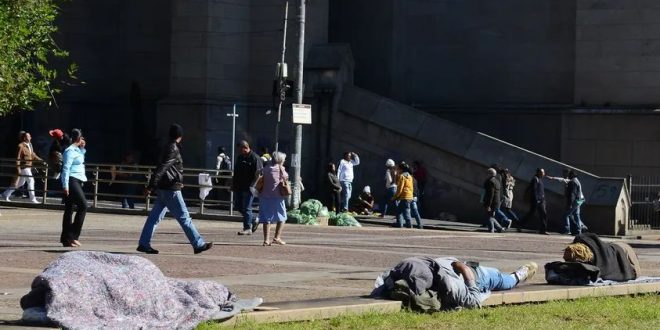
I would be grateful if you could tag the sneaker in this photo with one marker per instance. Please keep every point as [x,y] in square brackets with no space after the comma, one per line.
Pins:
[508,225]
[147,250]
[246,232]
[255,225]
[203,248]
[526,271]
[34,201]
[6,198]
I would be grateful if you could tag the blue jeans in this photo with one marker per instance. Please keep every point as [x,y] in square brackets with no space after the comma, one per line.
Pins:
[573,217]
[510,214]
[414,211]
[491,279]
[403,213]
[170,200]
[388,199]
[346,189]
[243,203]
[502,217]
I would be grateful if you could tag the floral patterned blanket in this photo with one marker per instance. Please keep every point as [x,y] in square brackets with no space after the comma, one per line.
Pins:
[98,290]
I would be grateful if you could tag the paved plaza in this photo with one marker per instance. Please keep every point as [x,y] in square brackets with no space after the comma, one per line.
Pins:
[317,262]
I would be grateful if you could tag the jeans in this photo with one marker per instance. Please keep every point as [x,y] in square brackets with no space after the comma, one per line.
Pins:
[491,279]
[346,189]
[573,217]
[414,211]
[403,213]
[71,229]
[388,199]
[170,200]
[510,214]
[243,203]
[491,221]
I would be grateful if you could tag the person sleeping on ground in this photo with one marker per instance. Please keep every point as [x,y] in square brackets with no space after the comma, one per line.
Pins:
[589,259]
[432,284]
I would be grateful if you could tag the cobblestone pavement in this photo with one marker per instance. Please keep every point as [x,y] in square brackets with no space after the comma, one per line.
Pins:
[317,262]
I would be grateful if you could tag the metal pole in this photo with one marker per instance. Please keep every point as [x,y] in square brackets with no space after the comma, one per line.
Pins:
[233,154]
[281,83]
[296,162]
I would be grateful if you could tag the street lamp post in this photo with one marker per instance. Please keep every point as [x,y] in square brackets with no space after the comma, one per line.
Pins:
[233,116]
[296,162]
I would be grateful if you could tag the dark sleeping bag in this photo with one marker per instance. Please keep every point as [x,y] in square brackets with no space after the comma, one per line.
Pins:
[611,258]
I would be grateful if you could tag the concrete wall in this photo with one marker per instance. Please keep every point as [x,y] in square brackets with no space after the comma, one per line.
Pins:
[461,52]
[617,52]
[456,157]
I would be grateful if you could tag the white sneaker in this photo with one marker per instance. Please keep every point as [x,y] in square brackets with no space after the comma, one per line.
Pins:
[526,271]
[34,201]
[6,198]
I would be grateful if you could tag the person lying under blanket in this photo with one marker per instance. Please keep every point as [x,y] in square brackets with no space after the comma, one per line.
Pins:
[589,259]
[433,284]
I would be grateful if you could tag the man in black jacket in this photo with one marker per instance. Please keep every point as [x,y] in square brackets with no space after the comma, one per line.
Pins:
[246,171]
[538,202]
[492,200]
[167,180]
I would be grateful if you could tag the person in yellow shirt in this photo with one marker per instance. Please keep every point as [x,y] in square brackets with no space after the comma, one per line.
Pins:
[404,195]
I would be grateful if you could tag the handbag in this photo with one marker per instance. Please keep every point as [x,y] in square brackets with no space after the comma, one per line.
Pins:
[259,185]
[284,186]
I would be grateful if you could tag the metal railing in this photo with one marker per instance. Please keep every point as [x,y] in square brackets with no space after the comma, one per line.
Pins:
[103,181]
[644,199]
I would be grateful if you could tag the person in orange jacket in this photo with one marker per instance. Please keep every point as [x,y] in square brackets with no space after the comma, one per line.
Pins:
[404,195]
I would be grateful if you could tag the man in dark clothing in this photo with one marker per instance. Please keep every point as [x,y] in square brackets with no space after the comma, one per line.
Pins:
[537,202]
[492,200]
[246,170]
[167,180]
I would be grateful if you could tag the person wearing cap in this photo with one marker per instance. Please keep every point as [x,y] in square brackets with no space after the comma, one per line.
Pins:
[390,186]
[167,181]
[364,204]
[24,159]
[73,177]
[55,154]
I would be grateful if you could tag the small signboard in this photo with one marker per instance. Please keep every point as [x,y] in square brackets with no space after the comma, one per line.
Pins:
[302,113]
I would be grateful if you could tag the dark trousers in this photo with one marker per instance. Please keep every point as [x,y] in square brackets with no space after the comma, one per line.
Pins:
[333,199]
[71,227]
[538,208]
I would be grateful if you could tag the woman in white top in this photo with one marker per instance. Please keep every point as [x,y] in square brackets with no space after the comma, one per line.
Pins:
[390,186]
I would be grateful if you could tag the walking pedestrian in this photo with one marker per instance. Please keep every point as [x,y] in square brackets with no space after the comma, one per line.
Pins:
[404,196]
[73,178]
[272,208]
[24,159]
[390,186]
[345,174]
[507,195]
[223,163]
[167,181]
[492,200]
[246,171]
[414,209]
[332,188]
[574,199]
[55,153]
[536,197]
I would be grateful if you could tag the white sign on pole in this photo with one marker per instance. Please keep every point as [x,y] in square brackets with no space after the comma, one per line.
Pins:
[302,113]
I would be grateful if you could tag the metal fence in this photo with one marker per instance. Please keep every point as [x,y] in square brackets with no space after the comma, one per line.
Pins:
[109,184]
[645,202]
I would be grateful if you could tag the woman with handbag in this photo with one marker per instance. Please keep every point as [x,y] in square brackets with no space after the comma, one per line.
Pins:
[276,188]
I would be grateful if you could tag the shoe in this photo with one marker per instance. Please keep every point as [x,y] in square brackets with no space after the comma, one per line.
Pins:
[203,248]
[75,243]
[255,225]
[34,201]
[526,271]
[266,243]
[543,232]
[566,233]
[147,250]
[246,232]
[6,198]
[508,225]
[278,241]
[501,230]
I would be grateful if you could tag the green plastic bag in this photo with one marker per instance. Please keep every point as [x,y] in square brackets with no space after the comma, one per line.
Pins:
[295,216]
[324,212]
[343,219]
[311,207]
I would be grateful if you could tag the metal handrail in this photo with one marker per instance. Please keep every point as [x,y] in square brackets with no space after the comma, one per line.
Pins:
[95,172]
